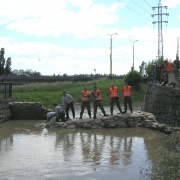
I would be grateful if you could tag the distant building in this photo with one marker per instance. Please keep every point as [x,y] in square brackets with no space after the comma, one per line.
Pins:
[21,71]
[15,71]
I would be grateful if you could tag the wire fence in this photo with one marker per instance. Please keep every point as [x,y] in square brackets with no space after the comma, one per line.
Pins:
[5,90]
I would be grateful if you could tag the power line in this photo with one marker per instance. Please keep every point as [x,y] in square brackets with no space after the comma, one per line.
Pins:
[135,12]
[148,4]
[140,7]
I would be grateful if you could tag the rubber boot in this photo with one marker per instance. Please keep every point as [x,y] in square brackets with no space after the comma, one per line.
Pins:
[80,116]
[120,110]
[104,112]
[89,115]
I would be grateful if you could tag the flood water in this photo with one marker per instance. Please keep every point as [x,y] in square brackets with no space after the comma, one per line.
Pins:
[33,153]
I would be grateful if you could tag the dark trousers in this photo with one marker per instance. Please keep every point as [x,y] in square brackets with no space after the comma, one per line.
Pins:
[99,104]
[176,72]
[116,101]
[127,100]
[71,106]
[60,116]
[85,104]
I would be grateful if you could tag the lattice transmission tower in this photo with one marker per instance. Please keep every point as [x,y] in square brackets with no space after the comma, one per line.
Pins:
[160,21]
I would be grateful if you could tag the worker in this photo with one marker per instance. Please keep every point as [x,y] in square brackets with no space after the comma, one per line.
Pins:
[127,93]
[68,102]
[60,114]
[169,67]
[176,71]
[114,95]
[85,103]
[97,101]
[49,116]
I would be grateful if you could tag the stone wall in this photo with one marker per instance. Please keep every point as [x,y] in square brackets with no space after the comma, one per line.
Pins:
[164,103]
[137,119]
[5,113]
[27,111]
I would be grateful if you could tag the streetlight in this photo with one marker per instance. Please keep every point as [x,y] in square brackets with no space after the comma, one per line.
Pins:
[111,53]
[133,53]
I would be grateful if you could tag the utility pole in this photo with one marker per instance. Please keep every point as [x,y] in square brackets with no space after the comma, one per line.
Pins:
[160,21]
[111,53]
[177,47]
[133,54]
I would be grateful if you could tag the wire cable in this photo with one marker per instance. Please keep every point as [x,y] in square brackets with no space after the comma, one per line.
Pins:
[140,7]
[148,4]
[135,11]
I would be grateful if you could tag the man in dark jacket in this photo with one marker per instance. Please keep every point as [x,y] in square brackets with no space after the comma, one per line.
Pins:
[176,71]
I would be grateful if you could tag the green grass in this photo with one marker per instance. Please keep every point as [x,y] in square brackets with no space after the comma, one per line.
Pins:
[48,93]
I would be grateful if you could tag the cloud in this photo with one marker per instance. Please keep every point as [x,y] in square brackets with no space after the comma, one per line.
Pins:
[171,3]
[50,20]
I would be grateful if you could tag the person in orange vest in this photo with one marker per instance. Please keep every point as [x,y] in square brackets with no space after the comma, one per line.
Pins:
[114,95]
[85,102]
[127,93]
[168,66]
[97,101]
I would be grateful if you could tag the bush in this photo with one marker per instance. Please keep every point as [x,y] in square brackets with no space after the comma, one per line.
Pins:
[133,78]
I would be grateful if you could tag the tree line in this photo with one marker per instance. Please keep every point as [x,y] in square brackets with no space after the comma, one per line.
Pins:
[5,66]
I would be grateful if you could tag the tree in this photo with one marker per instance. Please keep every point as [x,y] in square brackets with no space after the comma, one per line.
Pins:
[133,78]
[150,67]
[2,61]
[5,65]
[32,73]
[7,69]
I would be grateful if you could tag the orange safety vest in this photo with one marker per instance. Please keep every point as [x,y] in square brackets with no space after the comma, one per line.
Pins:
[97,93]
[127,91]
[169,66]
[85,98]
[113,92]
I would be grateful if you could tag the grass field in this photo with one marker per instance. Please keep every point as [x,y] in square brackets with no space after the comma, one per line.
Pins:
[48,93]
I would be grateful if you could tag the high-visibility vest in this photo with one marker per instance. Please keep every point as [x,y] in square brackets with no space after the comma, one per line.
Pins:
[97,93]
[85,98]
[127,91]
[169,66]
[113,92]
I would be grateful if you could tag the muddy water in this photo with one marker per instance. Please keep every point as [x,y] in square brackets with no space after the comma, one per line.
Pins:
[33,153]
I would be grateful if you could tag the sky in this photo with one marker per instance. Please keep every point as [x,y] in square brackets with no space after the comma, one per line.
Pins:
[73,36]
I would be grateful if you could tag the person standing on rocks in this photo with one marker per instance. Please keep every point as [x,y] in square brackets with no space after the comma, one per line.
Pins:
[85,102]
[114,95]
[68,102]
[127,93]
[169,68]
[176,71]
[97,101]
[60,114]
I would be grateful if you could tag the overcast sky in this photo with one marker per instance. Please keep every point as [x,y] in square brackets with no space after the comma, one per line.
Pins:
[70,36]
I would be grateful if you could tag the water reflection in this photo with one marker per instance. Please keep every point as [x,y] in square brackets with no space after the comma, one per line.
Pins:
[79,154]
